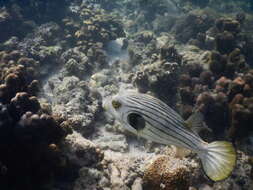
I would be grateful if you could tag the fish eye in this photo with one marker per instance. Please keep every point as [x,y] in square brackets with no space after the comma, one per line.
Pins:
[116,104]
[136,121]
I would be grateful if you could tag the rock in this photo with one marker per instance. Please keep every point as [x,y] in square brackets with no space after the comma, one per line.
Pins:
[137,185]
[114,142]
[74,99]
[88,179]
[81,151]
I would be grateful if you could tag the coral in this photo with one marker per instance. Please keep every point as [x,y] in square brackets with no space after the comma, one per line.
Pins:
[227,65]
[77,63]
[26,132]
[230,36]
[150,9]
[166,173]
[144,37]
[225,42]
[39,11]
[222,84]
[81,151]
[229,106]
[13,24]
[141,80]
[247,49]
[91,26]
[241,107]
[170,54]
[160,78]
[216,111]
[194,70]
[206,78]
[34,139]
[185,110]
[228,24]
[18,18]
[42,45]
[241,121]
[164,23]
[191,25]
[235,87]
[76,101]
[22,103]
[88,30]
[160,72]
[18,74]
[187,97]
[185,80]
[217,63]
[140,52]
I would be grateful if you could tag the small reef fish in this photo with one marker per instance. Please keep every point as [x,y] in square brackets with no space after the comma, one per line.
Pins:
[154,120]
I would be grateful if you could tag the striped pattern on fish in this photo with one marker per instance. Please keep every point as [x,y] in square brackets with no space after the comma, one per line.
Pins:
[154,120]
[171,125]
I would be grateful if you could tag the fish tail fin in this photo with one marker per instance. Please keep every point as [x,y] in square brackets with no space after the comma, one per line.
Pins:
[218,159]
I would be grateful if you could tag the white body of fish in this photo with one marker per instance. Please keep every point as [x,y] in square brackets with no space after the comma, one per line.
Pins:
[154,120]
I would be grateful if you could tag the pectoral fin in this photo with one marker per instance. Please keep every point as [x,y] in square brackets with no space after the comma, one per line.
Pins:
[196,123]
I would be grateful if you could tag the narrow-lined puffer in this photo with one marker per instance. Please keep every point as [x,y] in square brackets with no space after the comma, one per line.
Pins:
[154,120]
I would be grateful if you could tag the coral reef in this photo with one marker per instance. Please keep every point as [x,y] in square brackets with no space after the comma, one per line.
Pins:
[56,66]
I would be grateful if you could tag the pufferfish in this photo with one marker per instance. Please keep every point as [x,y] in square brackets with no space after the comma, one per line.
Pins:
[152,119]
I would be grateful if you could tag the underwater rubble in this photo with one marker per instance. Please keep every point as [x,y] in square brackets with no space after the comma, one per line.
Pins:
[56,69]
